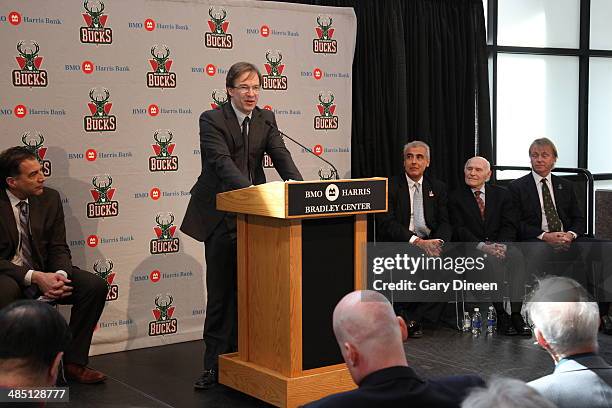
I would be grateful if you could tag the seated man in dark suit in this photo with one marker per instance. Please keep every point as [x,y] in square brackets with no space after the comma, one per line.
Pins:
[484,214]
[551,218]
[33,339]
[418,215]
[35,261]
[565,325]
[370,337]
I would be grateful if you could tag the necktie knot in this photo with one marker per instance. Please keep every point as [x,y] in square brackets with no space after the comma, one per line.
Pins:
[245,121]
[477,193]
[23,206]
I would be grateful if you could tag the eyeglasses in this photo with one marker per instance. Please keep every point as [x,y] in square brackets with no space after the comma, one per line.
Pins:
[243,89]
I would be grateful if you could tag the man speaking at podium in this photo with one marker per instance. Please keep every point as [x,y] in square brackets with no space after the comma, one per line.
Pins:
[233,139]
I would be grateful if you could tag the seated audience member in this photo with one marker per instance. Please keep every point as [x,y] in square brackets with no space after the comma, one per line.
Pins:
[370,337]
[35,261]
[506,393]
[417,215]
[484,214]
[32,342]
[566,324]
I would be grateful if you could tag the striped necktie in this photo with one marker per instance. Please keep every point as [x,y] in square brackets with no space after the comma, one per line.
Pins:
[480,202]
[25,245]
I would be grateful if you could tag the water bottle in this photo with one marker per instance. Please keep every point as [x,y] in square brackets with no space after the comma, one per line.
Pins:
[491,320]
[467,322]
[476,322]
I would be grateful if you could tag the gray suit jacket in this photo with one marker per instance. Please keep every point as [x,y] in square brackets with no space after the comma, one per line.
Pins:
[579,381]
[224,167]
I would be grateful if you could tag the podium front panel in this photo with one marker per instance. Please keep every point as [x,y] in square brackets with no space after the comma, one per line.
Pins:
[328,273]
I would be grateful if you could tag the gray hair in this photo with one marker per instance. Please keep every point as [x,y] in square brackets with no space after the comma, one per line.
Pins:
[417,143]
[506,393]
[487,164]
[565,314]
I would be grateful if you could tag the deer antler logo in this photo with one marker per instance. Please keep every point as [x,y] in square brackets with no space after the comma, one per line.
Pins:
[96,19]
[164,309]
[103,188]
[163,143]
[99,105]
[324,31]
[160,62]
[34,144]
[217,22]
[29,59]
[165,225]
[274,67]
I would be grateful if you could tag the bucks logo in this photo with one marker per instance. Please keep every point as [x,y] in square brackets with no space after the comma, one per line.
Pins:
[327,174]
[29,73]
[161,77]
[100,120]
[164,322]
[166,242]
[96,31]
[163,148]
[103,205]
[324,44]
[219,98]
[274,79]
[104,269]
[218,36]
[35,145]
[326,119]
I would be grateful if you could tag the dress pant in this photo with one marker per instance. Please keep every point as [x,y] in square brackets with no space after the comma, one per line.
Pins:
[221,324]
[87,299]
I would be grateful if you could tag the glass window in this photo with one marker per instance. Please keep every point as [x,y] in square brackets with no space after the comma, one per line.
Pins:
[601,29]
[539,23]
[600,117]
[537,96]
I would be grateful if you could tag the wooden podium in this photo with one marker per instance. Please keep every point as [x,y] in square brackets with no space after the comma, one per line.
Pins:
[301,248]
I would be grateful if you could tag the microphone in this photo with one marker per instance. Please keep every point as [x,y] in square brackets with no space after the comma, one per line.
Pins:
[273,126]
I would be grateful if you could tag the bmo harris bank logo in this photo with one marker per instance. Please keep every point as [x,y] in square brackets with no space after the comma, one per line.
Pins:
[96,31]
[34,143]
[104,269]
[161,77]
[164,323]
[218,37]
[100,120]
[29,73]
[103,204]
[326,119]
[324,43]
[274,80]
[166,242]
[163,148]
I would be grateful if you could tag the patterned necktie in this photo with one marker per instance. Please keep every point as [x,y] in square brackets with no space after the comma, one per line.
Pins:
[480,202]
[420,226]
[25,245]
[550,212]
[245,138]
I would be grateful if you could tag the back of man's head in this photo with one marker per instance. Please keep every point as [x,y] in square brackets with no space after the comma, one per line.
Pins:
[506,393]
[32,338]
[368,333]
[563,313]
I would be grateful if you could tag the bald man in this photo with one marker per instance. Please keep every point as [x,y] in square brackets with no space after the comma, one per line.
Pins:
[371,338]
[484,214]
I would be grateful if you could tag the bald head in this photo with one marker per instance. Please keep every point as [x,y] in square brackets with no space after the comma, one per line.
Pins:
[477,172]
[369,334]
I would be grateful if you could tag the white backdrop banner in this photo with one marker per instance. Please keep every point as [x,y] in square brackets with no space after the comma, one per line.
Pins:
[108,94]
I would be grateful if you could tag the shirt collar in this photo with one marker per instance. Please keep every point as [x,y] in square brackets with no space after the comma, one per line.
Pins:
[538,178]
[411,183]
[481,189]
[239,114]
[14,200]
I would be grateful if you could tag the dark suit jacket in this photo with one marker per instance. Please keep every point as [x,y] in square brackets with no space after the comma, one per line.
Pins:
[224,167]
[400,387]
[49,248]
[501,220]
[525,196]
[394,225]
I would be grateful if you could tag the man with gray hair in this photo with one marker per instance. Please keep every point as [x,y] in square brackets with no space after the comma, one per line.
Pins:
[370,337]
[418,215]
[566,323]
[506,393]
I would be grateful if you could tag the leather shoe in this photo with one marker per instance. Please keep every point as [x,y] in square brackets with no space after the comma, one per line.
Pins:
[415,329]
[504,325]
[606,324]
[83,374]
[519,324]
[207,380]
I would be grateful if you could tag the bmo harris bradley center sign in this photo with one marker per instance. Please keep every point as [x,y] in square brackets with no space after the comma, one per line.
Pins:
[337,197]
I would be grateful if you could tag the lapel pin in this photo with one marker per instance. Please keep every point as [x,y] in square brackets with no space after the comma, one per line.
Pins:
[559,187]
[431,194]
